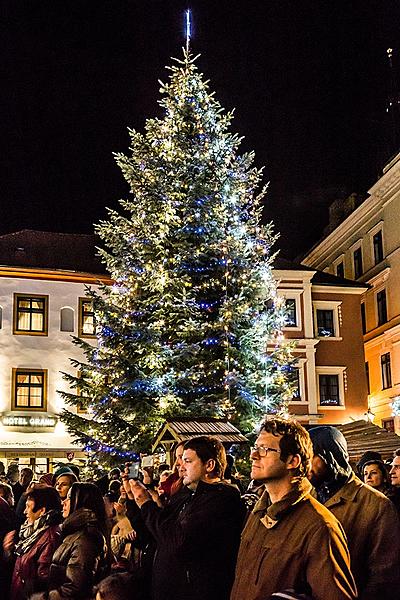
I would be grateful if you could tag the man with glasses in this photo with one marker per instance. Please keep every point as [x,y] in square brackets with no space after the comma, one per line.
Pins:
[290,543]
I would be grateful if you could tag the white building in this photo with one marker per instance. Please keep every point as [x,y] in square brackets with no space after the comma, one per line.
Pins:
[42,303]
[364,244]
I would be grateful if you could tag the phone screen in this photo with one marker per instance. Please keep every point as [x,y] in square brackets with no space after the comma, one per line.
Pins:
[133,472]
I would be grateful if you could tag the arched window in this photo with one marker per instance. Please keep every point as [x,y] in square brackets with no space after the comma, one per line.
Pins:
[67,319]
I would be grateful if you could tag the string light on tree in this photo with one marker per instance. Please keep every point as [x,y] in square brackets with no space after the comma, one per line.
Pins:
[185,327]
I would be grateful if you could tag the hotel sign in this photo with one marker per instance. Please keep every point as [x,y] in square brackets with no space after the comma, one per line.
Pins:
[45,421]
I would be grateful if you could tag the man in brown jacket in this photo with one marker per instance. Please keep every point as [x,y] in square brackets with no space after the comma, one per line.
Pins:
[290,541]
[368,517]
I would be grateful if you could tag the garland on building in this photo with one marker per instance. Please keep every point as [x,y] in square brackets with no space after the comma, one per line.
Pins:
[184,329]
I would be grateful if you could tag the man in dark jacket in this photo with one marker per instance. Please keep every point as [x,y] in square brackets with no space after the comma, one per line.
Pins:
[368,517]
[198,532]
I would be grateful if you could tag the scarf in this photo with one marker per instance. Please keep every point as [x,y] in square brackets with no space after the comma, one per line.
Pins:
[31,532]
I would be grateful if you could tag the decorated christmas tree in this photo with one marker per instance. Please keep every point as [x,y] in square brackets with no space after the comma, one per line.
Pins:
[192,325]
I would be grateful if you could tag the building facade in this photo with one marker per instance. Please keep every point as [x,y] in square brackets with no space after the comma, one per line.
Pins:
[365,246]
[43,302]
[324,320]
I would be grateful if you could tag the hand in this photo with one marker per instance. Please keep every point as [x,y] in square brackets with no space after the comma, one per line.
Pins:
[119,508]
[140,493]
[127,488]
[8,542]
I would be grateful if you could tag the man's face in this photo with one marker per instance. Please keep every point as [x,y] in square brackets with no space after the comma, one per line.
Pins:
[395,471]
[178,457]
[192,469]
[319,471]
[269,467]
[63,483]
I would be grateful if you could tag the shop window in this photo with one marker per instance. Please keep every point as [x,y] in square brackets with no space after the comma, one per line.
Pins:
[87,324]
[29,389]
[30,314]
[67,319]
[357,263]
[377,243]
[386,371]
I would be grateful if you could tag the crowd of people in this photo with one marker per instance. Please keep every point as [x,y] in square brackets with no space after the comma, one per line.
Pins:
[308,526]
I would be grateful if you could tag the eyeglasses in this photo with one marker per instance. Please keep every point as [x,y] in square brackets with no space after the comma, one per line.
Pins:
[262,450]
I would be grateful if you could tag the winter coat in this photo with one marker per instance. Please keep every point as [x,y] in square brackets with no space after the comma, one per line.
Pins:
[297,544]
[372,527]
[31,570]
[367,516]
[197,536]
[79,562]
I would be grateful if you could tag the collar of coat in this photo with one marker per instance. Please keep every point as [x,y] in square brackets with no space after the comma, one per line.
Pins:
[347,493]
[271,514]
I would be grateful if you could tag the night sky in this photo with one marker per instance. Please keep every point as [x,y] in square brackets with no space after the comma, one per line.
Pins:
[308,80]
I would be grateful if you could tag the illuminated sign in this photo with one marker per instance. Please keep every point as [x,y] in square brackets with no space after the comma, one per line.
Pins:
[29,421]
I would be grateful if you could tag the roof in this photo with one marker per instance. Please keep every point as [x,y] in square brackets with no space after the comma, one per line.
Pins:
[177,430]
[320,277]
[362,436]
[49,250]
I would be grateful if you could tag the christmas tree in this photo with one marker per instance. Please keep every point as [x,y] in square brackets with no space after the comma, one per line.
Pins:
[184,329]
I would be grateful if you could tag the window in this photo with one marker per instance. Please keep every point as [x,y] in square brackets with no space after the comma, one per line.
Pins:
[66,319]
[340,269]
[331,384]
[87,325]
[329,390]
[377,243]
[325,325]
[29,389]
[367,376]
[291,318]
[327,319]
[386,371]
[357,261]
[363,318]
[388,424]
[381,307]
[30,314]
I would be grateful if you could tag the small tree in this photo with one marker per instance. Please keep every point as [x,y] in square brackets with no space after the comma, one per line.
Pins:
[185,327]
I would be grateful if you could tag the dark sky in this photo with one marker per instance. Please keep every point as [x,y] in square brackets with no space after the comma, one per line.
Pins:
[308,80]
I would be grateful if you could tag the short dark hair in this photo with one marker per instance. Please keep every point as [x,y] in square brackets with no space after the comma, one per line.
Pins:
[295,440]
[5,490]
[396,453]
[119,586]
[206,448]
[44,497]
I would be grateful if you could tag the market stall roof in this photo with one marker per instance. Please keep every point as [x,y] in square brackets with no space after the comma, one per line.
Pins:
[363,435]
[178,430]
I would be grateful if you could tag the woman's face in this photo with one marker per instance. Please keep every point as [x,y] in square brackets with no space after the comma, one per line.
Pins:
[373,475]
[31,513]
[66,505]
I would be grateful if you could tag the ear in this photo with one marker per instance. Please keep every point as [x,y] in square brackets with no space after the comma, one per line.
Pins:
[293,461]
[210,465]
[42,511]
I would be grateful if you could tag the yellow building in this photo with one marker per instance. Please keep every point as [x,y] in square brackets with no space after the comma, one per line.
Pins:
[363,243]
